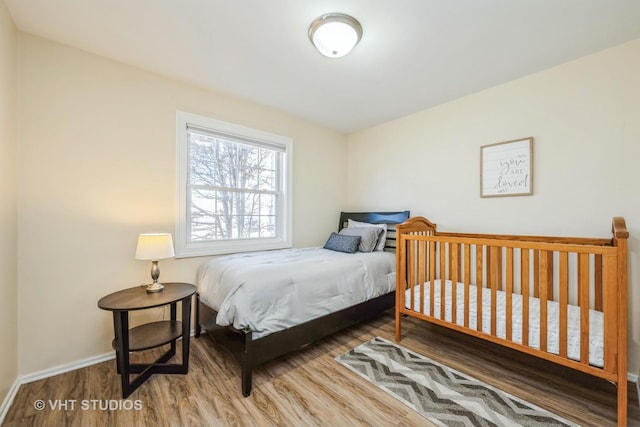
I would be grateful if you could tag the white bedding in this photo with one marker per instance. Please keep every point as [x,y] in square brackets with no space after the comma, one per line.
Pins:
[273,290]
[596,322]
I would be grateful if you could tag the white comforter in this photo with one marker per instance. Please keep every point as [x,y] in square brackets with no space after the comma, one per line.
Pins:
[273,290]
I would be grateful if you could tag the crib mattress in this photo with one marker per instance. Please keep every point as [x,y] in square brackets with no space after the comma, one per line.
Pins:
[596,320]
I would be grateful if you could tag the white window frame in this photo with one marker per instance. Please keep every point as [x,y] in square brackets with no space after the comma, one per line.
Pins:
[185,248]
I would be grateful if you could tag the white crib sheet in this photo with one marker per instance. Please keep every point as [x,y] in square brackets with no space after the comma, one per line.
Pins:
[596,320]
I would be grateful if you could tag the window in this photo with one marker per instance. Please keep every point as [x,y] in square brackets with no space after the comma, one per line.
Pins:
[233,188]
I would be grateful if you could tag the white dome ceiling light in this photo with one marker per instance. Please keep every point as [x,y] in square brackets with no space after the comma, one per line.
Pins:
[335,34]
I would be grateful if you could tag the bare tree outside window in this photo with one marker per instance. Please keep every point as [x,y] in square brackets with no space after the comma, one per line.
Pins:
[233,189]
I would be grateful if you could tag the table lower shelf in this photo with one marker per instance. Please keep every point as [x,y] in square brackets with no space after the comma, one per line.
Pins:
[151,335]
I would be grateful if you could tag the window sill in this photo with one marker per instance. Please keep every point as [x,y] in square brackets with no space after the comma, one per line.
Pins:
[228,247]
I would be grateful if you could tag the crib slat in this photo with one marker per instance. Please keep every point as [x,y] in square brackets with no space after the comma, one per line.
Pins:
[544,271]
[443,277]
[479,250]
[432,277]
[401,274]
[611,326]
[429,265]
[498,264]
[454,265]
[448,262]
[487,265]
[400,284]
[493,281]
[549,282]
[564,301]
[454,262]
[459,262]
[467,282]
[583,302]
[536,274]
[411,276]
[524,279]
[509,296]
[598,283]
[422,254]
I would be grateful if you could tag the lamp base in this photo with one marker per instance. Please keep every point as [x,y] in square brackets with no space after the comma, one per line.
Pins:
[155,287]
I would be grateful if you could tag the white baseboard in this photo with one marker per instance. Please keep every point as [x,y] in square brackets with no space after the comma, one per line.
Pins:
[72,366]
[46,373]
[67,367]
[50,372]
[8,400]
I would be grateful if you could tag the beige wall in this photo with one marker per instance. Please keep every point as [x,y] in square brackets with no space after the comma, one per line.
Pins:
[585,118]
[97,167]
[8,220]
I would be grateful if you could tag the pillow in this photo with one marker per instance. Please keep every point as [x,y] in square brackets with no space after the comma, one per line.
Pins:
[383,236]
[341,243]
[368,236]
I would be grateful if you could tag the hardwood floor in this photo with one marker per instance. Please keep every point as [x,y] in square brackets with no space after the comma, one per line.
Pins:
[308,388]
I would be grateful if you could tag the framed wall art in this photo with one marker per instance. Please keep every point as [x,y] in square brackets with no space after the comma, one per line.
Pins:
[506,168]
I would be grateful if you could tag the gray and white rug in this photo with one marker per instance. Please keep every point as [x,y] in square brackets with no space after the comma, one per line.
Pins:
[443,395]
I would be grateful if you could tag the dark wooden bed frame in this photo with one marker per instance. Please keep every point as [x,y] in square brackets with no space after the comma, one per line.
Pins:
[251,353]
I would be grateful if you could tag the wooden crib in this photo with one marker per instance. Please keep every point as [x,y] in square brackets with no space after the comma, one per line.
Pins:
[560,299]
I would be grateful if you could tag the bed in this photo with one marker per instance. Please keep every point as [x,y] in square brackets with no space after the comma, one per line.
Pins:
[258,306]
[561,299]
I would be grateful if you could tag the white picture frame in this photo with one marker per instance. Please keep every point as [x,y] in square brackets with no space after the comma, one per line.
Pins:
[506,168]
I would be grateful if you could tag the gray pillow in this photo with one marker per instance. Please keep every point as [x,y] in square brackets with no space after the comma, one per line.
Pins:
[383,237]
[368,236]
[341,243]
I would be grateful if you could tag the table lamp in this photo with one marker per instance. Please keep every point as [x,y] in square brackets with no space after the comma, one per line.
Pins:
[154,246]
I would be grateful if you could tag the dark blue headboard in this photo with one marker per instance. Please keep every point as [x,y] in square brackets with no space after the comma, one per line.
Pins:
[390,218]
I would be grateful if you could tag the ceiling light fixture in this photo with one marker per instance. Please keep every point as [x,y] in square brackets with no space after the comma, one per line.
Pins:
[335,34]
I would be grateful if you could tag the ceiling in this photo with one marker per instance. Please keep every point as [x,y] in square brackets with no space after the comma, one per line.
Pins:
[414,54]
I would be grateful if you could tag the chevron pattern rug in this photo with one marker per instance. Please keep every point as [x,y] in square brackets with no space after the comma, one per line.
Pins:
[442,395]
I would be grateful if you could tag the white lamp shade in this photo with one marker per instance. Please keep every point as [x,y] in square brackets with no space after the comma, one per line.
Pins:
[334,35]
[154,246]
